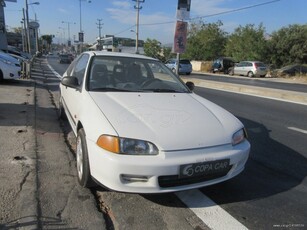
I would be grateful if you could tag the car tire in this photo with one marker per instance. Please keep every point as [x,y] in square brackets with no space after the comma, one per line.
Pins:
[250,74]
[188,73]
[1,76]
[262,76]
[83,166]
[231,71]
[62,114]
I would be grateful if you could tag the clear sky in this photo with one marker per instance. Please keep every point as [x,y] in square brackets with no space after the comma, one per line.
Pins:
[119,16]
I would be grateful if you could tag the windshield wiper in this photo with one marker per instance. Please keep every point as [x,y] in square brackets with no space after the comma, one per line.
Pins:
[163,90]
[111,89]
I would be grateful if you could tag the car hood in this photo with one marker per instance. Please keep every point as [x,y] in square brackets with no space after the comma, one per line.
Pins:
[171,121]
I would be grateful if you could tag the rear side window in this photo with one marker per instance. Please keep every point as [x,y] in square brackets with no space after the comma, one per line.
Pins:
[184,62]
[259,64]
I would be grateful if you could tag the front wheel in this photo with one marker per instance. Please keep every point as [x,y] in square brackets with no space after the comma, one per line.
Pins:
[83,166]
[231,71]
[61,110]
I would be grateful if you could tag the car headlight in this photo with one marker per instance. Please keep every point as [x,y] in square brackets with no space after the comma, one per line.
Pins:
[238,137]
[127,146]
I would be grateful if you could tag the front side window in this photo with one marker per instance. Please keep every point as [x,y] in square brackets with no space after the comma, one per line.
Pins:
[79,69]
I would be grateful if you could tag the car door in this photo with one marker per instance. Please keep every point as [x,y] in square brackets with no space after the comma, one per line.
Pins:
[238,68]
[72,97]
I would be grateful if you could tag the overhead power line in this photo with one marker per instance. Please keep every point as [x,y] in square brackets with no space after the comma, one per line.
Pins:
[205,16]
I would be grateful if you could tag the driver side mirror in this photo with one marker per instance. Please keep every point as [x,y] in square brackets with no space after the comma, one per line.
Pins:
[190,85]
[70,82]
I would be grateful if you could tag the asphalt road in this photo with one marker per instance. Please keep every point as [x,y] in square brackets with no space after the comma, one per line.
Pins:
[272,189]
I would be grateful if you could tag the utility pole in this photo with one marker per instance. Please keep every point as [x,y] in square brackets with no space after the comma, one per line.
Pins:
[99,26]
[138,8]
[28,29]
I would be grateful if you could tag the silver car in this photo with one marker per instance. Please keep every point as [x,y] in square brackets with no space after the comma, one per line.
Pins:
[250,69]
[185,66]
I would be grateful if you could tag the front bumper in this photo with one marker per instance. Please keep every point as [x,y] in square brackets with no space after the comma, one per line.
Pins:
[159,174]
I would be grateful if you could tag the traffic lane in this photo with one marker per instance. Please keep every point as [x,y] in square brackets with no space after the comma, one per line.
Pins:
[260,82]
[59,68]
[271,190]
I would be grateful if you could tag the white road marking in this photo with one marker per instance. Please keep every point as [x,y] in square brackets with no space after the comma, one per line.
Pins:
[209,212]
[54,72]
[298,130]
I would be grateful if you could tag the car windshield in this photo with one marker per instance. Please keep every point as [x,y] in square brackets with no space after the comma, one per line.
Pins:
[113,73]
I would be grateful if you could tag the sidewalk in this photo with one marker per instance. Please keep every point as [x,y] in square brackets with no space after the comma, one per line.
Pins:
[38,169]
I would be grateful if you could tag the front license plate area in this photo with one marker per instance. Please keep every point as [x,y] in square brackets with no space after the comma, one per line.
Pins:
[204,168]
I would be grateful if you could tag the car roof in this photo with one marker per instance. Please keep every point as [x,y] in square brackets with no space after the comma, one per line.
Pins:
[118,54]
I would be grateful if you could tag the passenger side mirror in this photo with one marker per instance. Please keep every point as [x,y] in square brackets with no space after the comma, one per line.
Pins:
[70,82]
[190,85]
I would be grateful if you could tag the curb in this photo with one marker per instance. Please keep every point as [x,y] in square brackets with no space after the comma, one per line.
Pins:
[276,94]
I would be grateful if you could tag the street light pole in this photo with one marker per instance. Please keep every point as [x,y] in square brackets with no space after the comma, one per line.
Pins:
[27,28]
[138,8]
[27,24]
[81,32]
[99,24]
[68,27]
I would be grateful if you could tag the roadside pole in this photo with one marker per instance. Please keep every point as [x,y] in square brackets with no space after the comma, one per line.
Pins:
[181,29]
[177,61]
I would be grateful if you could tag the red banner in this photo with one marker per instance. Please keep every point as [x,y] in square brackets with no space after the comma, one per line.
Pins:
[180,39]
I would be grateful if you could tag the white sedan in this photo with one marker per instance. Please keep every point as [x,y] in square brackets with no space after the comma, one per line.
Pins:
[10,67]
[140,129]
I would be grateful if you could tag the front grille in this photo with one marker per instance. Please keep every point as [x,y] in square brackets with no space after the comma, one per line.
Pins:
[174,180]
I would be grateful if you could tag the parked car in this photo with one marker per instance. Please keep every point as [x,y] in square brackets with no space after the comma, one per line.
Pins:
[292,70]
[9,67]
[249,68]
[185,66]
[141,130]
[222,64]
[64,58]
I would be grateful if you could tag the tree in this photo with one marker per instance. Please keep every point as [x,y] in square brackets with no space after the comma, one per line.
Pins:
[152,48]
[205,41]
[247,43]
[289,45]
[48,39]
[167,54]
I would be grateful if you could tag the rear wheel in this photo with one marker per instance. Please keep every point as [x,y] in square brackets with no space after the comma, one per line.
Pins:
[83,166]
[250,74]
[1,76]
